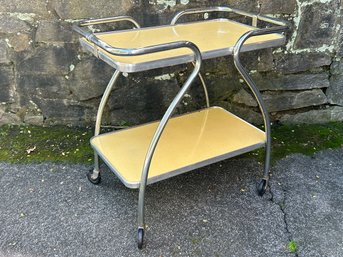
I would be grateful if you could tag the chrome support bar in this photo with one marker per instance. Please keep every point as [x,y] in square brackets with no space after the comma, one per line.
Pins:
[202,80]
[102,104]
[90,36]
[255,17]
[271,20]
[141,51]
[244,73]
[109,20]
[199,10]
[103,101]
[161,127]
[205,90]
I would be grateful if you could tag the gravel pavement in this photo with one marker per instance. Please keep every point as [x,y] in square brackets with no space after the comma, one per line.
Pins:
[52,210]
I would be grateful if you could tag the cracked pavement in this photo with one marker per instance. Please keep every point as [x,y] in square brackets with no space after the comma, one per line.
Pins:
[52,210]
[309,191]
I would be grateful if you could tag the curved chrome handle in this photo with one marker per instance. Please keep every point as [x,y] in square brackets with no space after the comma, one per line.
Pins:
[244,73]
[90,36]
[255,17]
[109,20]
[254,33]
[199,10]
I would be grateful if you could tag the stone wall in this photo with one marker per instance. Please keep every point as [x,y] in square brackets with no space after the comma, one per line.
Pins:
[45,78]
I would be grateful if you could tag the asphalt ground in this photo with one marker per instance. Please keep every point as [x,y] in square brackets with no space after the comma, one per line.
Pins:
[52,210]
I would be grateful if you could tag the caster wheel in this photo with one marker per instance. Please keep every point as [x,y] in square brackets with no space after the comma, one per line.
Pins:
[140,238]
[261,187]
[92,180]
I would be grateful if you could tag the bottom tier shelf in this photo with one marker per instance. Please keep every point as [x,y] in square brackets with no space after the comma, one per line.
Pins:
[188,142]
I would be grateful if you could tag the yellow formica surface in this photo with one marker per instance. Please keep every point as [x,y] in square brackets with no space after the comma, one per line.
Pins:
[207,35]
[190,140]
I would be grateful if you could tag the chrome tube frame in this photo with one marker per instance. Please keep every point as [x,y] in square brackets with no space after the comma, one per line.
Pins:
[141,51]
[109,20]
[244,73]
[161,127]
[202,80]
[91,37]
[104,99]
[77,27]
[132,52]
[280,27]
[203,83]
[255,17]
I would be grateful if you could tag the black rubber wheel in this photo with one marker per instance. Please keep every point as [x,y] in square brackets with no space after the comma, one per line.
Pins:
[261,187]
[92,180]
[140,238]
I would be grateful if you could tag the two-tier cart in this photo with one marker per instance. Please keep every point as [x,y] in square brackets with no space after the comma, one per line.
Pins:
[159,150]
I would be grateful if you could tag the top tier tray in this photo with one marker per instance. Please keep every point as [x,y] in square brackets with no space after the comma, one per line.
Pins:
[214,38]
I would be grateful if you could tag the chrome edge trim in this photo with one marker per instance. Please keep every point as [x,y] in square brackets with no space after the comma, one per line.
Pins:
[131,68]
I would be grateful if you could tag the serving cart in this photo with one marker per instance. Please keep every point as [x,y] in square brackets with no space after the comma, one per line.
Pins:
[159,150]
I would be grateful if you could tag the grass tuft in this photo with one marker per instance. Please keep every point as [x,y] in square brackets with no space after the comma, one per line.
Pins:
[292,246]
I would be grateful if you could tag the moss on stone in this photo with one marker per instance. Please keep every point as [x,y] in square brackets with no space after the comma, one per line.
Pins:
[304,138]
[26,144]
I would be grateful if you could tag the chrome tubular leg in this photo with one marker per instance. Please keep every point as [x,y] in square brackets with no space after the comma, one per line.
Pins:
[265,116]
[204,87]
[244,73]
[258,96]
[96,168]
[236,56]
[155,139]
[103,101]
[95,173]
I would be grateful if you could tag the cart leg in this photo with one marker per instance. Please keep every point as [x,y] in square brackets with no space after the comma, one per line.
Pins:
[94,174]
[156,138]
[141,210]
[141,225]
[263,184]
[152,147]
